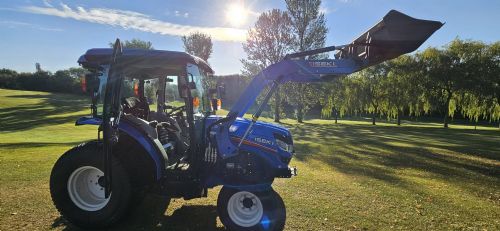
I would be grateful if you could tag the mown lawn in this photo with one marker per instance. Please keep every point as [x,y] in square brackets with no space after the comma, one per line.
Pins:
[352,175]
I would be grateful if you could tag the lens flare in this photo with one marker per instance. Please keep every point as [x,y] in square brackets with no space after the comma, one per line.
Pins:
[236,14]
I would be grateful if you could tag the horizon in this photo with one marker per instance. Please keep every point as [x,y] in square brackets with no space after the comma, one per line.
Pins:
[56,33]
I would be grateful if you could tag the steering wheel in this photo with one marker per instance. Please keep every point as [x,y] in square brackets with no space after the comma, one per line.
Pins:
[174,110]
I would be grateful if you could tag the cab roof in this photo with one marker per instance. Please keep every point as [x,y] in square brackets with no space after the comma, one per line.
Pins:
[142,62]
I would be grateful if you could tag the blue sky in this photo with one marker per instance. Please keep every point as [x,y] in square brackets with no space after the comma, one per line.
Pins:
[56,32]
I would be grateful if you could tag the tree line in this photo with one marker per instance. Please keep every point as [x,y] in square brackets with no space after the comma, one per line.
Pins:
[462,77]
[64,81]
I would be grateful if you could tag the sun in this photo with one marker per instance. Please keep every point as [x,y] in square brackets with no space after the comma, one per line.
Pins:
[236,14]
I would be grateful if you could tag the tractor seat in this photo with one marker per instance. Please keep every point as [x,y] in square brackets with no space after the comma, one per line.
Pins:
[135,106]
[142,125]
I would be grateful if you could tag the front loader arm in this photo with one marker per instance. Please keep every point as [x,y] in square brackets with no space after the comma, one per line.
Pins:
[396,34]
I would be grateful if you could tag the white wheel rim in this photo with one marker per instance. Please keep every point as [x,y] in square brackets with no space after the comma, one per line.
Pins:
[245,209]
[84,189]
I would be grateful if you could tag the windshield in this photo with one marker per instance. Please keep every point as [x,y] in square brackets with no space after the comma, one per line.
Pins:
[200,99]
[130,88]
[172,97]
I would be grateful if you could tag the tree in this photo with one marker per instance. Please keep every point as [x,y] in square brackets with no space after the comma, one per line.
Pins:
[9,79]
[370,92]
[480,96]
[492,81]
[401,90]
[135,43]
[332,98]
[267,43]
[310,29]
[440,82]
[449,72]
[353,92]
[198,44]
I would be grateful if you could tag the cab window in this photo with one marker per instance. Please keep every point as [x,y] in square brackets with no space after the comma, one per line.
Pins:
[200,102]
[172,96]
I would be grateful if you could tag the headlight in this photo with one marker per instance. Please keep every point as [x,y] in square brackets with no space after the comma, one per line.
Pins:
[233,128]
[284,146]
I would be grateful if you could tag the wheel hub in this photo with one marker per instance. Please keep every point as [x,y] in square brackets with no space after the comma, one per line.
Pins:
[245,209]
[248,203]
[85,188]
[100,181]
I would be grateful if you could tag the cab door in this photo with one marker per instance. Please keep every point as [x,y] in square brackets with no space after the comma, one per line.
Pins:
[112,112]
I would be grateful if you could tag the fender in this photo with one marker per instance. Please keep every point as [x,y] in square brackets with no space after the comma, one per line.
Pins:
[151,146]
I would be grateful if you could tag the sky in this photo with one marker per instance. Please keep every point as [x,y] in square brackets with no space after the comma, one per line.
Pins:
[55,33]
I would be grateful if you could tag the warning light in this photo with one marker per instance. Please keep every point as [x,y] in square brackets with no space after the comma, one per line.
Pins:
[136,89]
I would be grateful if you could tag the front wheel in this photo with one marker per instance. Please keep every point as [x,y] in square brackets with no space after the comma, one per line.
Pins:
[76,187]
[245,210]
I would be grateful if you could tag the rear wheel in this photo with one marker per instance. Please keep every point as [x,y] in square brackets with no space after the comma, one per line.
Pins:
[245,210]
[85,188]
[77,190]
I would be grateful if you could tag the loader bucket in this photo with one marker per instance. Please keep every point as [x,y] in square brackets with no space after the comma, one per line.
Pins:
[395,35]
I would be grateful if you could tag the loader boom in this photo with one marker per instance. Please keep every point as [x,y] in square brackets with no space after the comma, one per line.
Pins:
[396,34]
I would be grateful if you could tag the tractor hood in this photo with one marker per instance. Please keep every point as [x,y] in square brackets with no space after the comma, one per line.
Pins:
[262,135]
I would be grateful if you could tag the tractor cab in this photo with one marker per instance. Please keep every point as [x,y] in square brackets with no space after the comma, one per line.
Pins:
[160,94]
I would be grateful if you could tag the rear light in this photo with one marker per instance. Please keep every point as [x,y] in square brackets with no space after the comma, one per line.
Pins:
[83,81]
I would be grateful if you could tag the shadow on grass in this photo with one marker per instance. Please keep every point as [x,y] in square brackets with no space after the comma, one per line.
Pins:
[36,144]
[464,156]
[150,215]
[50,110]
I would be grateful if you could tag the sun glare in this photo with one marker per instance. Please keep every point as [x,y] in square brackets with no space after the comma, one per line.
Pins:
[236,14]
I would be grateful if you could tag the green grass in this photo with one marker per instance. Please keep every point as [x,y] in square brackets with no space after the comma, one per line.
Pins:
[352,175]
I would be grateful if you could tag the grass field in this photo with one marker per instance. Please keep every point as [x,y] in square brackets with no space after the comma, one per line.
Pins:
[352,175]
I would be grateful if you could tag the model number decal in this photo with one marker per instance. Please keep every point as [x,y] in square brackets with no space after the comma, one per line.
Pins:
[263,141]
[322,64]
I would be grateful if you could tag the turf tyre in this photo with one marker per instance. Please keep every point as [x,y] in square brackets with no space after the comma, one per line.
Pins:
[89,155]
[273,214]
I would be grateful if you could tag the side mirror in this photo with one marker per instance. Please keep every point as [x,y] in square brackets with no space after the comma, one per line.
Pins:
[191,83]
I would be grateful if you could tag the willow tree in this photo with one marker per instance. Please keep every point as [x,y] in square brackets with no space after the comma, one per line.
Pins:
[332,98]
[402,91]
[481,96]
[464,71]
[441,84]
[369,93]
[268,42]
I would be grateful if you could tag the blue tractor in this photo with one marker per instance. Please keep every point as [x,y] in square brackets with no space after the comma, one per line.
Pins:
[157,130]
